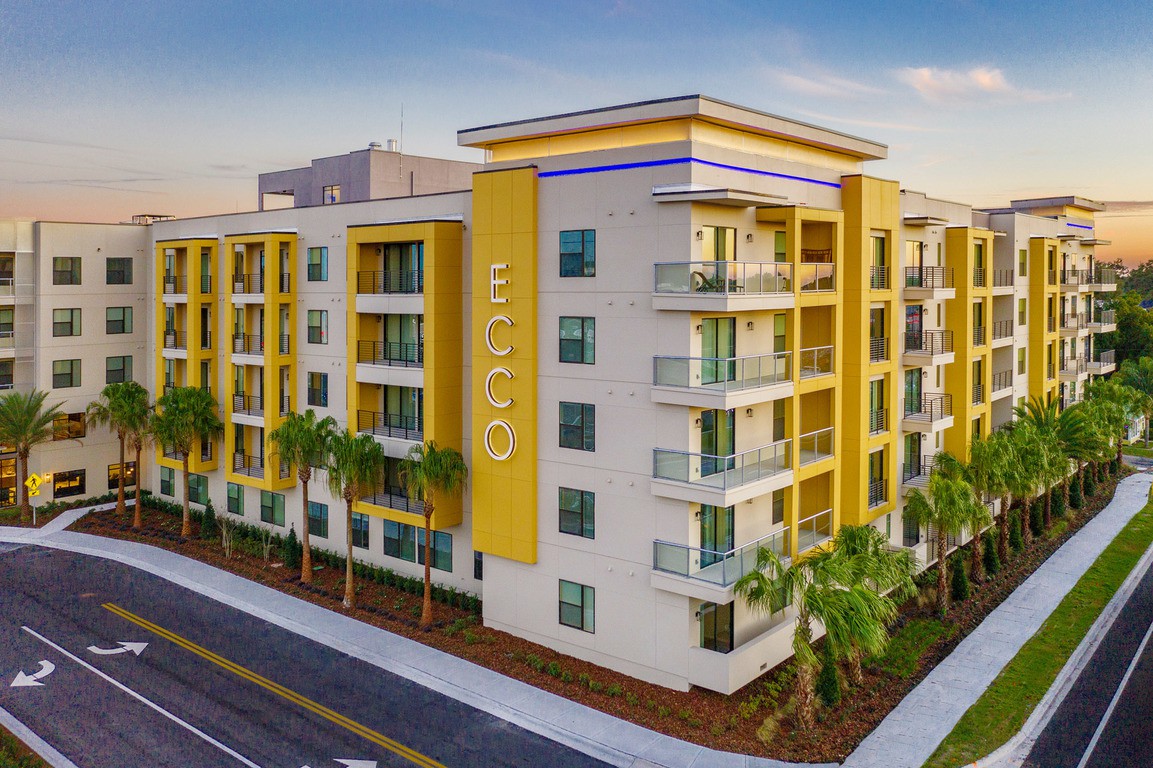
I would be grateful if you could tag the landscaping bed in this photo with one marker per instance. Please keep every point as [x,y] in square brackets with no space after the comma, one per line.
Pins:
[15,754]
[755,720]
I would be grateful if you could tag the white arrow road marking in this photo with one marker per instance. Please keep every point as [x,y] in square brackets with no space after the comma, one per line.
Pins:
[141,699]
[357,763]
[124,648]
[46,668]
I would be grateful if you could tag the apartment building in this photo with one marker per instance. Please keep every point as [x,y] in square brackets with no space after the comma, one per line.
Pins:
[663,335]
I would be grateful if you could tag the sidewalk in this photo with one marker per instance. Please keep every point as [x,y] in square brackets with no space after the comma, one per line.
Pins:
[905,739]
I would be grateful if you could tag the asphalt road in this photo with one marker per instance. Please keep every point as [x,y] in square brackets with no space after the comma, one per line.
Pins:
[1095,727]
[214,686]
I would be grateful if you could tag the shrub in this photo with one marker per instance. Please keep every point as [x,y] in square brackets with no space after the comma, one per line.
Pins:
[553,669]
[596,687]
[989,557]
[1057,503]
[292,552]
[828,683]
[614,690]
[208,528]
[1090,488]
[1114,467]
[1075,499]
[959,590]
[1016,543]
[534,661]
[1037,517]
[632,699]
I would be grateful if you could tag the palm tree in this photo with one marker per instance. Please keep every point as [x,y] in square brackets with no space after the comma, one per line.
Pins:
[824,589]
[426,471]
[354,466]
[992,463]
[1030,456]
[950,507]
[1121,404]
[303,441]
[139,432]
[185,415]
[24,424]
[114,409]
[954,467]
[1138,374]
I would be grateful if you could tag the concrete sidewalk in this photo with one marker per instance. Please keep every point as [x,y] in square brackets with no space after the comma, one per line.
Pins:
[905,739]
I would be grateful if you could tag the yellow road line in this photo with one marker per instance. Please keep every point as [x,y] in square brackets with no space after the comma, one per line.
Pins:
[296,698]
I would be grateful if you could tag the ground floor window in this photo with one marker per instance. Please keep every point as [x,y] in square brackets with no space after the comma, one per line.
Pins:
[359,530]
[478,566]
[400,540]
[272,507]
[114,476]
[441,549]
[577,606]
[167,481]
[236,498]
[717,627]
[197,489]
[8,482]
[70,483]
[318,519]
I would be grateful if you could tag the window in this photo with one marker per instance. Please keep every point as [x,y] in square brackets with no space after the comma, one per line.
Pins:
[65,373]
[70,483]
[318,519]
[272,507]
[330,194]
[66,270]
[778,506]
[7,478]
[1022,262]
[911,533]
[318,389]
[119,369]
[400,541]
[576,512]
[318,326]
[167,481]
[441,550]
[780,253]
[477,564]
[114,476]
[578,426]
[118,272]
[197,489]
[318,264]
[577,605]
[1021,311]
[236,498]
[68,426]
[578,253]
[359,530]
[118,320]
[576,340]
[1021,360]
[7,373]
[717,627]
[66,322]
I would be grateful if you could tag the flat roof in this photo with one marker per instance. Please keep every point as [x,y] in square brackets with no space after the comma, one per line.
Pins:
[697,105]
[1046,202]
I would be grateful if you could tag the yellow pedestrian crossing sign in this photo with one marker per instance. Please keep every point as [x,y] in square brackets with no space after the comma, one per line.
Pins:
[34,482]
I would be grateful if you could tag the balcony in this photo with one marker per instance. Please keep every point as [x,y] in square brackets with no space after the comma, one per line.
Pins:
[248,405]
[915,473]
[878,493]
[1071,325]
[393,281]
[248,284]
[978,394]
[7,287]
[929,283]
[1103,279]
[1103,321]
[174,285]
[878,421]
[721,480]
[878,278]
[926,348]
[249,466]
[878,349]
[395,425]
[1002,380]
[205,339]
[816,361]
[1073,278]
[1073,368]
[979,336]
[172,453]
[285,344]
[817,278]
[1002,331]
[206,283]
[1003,278]
[712,382]
[979,277]
[928,412]
[176,340]
[717,569]
[1050,372]
[723,285]
[285,405]
[7,341]
[285,282]
[1051,277]
[394,498]
[815,446]
[243,344]
[1102,362]
[814,530]
[394,353]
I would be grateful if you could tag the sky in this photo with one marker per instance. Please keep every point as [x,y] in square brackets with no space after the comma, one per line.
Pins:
[109,109]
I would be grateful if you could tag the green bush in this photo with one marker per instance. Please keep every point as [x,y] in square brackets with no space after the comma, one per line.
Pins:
[1075,499]
[552,669]
[208,527]
[1090,488]
[1016,542]
[1057,503]
[829,683]
[292,552]
[960,585]
[1037,517]
[989,557]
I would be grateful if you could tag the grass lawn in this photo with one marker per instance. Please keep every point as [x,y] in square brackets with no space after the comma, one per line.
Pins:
[1136,450]
[908,644]
[13,753]
[1008,702]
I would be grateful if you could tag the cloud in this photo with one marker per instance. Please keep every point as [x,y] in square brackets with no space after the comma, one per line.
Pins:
[1125,208]
[979,84]
[885,124]
[820,83]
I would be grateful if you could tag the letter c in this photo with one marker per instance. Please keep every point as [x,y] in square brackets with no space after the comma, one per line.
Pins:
[488,387]
[488,342]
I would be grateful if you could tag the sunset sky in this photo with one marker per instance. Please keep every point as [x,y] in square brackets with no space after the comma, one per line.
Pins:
[108,109]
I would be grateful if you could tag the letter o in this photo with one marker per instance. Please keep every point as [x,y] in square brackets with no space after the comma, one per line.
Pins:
[488,387]
[492,426]
[488,335]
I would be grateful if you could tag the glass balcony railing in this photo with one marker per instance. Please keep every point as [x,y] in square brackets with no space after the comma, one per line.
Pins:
[816,361]
[814,529]
[723,472]
[732,374]
[1105,276]
[936,278]
[817,278]
[1103,358]
[720,568]
[815,446]
[723,277]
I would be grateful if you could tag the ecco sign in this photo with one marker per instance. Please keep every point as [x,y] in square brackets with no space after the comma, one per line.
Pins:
[498,425]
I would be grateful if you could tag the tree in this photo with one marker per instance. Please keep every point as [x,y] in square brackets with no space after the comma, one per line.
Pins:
[303,440]
[354,467]
[992,463]
[1138,374]
[138,415]
[124,408]
[1030,455]
[1133,338]
[108,410]
[426,471]
[949,508]
[1117,405]
[185,415]
[24,424]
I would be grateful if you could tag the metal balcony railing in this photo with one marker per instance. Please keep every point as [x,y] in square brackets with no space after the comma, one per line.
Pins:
[817,278]
[720,568]
[394,498]
[1074,276]
[979,277]
[7,286]
[1051,276]
[205,339]
[1002,380]
[206,451]
[814,529]
[249,405]
[815,446]
[918,467]
[253,283]
[396,353]
[247,344]
[390,425]
[206,283]
[1002,329]
[7,339]
[929,342]
[393,281]
[285,345]
[723,277]
[1051,324]
[1075,365]
[878,349]
[929,406]
[285,405]
[175,284]
[879,278]
[722,472]
[1074,322]
[175,340]
[936,278]
[285,282]
[1003,278]
[878,421]
[816,361]
[878,491]
[1050,371]
[250,466]
[1105,276]
[979,336]
[978,394]
[172,453]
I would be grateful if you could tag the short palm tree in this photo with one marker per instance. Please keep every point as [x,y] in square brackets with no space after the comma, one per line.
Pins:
[427,471]
[116,407]
[992,463]
[25,423]
[949,508]
[354,466]
[139,433]
[1138,374]
[1030,467]
[303,440]
[185,415]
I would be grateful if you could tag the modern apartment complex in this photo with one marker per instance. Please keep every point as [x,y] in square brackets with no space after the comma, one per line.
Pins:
[663,335]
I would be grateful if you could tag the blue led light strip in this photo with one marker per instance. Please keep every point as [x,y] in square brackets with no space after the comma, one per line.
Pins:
[682,161]
[1078,226]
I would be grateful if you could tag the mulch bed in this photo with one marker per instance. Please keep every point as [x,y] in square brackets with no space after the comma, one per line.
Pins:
[754,720]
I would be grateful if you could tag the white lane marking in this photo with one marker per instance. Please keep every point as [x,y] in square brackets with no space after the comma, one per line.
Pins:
[1116,698]
[357,763]
[136,648]
[22,680]
[143,700]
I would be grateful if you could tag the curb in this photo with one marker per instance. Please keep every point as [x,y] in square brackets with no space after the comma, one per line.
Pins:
[45,750]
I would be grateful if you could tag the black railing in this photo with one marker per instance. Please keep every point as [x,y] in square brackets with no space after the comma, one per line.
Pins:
[1002,329]
[878,421]
[978,394]
[395,281]
[285,343]
[878,493]
[929,277]
[175,340]
[390,425]
[285,282]
[1002,380]
[929,342]
[253,283]
[206,339]
[1074,276]
[285,405]
[878,349]
[979,277]
[1002,278]
[175,284]
[979,336]
[879,278]
[250,405]
[920,466]
[250,466]
[405,354]
[929,406]
[394,498]
[243,344]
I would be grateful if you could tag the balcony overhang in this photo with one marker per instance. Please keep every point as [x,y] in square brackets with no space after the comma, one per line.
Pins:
[699,193]
[924,221]
[719,497]
[702,397]
[390,375]
[1096,241]
[923,358]
[926,424]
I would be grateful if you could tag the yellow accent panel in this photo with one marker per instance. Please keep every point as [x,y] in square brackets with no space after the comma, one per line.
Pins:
[615,137]
[504,516]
